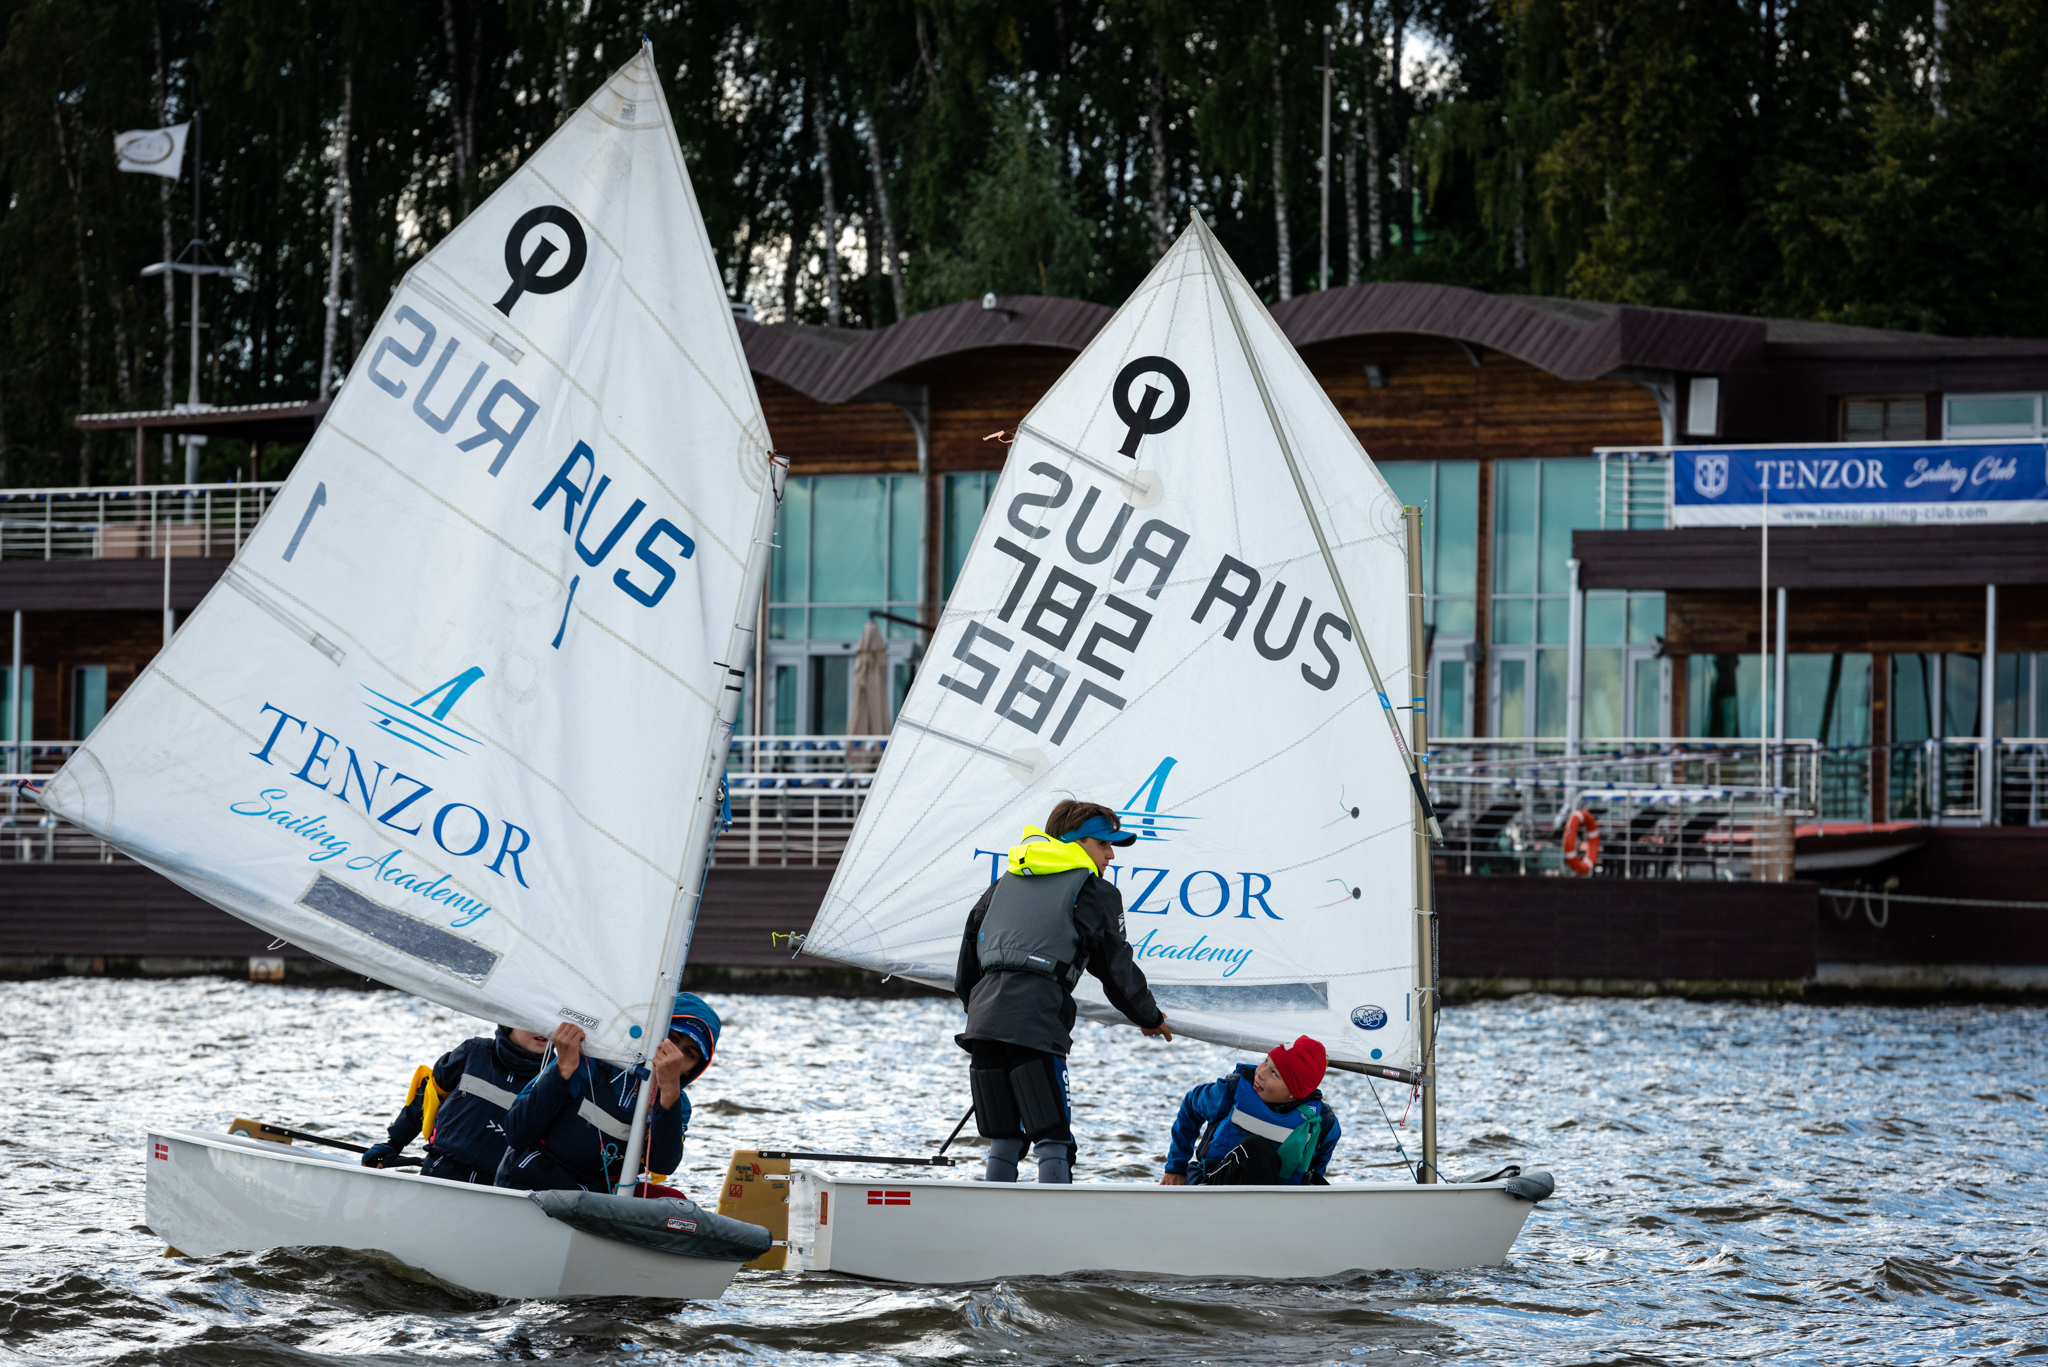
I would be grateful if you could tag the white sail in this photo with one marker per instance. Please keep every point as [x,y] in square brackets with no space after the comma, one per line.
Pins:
[1145,620]
[445,719]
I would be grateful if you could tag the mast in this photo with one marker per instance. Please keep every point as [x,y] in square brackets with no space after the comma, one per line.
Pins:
[682,923]
[1315,524]
[1425,899]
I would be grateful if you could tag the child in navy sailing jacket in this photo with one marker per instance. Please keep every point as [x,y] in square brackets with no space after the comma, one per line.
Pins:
[569,1128]
[477,1080]
[1257,1126]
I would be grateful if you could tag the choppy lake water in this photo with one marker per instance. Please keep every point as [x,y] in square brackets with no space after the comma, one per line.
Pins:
[1735,1183]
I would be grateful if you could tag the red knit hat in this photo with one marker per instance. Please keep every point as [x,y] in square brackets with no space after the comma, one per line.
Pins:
[1301,1065]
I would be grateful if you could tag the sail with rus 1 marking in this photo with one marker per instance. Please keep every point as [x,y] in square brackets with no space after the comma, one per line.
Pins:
[445,718]
[1145,620]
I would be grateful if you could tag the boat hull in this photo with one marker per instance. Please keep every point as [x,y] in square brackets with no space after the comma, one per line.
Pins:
[938,1232]
[214,1194]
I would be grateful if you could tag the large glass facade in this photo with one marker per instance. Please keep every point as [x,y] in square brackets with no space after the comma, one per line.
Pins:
[1447,491]
[963,501]
[846,548]
[1537,505]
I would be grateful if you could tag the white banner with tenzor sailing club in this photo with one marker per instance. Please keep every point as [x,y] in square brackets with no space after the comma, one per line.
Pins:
[1145,621]
[1931,483]
[443,719]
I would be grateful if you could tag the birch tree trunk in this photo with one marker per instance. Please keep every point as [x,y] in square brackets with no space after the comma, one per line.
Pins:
[881,178]
[1162,222]
[1351,242]
[71,179]
[831,210]
[340,193]
[1286,252]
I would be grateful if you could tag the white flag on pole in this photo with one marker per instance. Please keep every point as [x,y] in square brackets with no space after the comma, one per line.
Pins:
[153,151]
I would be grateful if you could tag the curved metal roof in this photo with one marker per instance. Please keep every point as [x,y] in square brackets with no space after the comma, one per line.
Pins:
[1573,339]
[833,365]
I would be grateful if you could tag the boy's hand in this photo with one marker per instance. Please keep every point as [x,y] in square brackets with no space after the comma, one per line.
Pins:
[1174,1179]
[1159,1031]
[568,1042]
[668,1073]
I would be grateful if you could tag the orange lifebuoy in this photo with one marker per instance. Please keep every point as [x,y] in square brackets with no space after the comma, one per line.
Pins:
[1582,860]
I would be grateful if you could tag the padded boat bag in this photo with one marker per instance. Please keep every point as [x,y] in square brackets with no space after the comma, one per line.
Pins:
[667,1224]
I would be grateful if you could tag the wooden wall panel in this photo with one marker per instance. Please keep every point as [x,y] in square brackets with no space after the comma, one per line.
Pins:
[1438,406]
[842,439]
[1613,928]
[54,643]
[979,392]
[1883,621]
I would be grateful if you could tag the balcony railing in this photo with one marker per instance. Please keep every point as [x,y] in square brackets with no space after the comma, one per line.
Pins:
[1667,809]
[142,522]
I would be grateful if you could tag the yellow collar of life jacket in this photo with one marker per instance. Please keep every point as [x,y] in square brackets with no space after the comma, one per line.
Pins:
[1040,853]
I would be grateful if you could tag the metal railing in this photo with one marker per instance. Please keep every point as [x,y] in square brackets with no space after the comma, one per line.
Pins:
[1635,490]
[1666,809]
[795,798]
[140,522]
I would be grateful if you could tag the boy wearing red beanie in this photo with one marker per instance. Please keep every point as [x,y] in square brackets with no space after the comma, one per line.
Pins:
[1264,1126]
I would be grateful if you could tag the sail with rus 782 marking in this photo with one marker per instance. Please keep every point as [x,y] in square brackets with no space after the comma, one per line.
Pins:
[1146,620]
[446,719]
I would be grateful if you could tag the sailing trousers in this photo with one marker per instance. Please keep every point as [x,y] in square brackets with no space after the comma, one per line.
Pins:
[1020,1099]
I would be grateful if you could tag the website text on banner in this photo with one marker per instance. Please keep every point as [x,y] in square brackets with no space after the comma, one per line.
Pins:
[1934,482]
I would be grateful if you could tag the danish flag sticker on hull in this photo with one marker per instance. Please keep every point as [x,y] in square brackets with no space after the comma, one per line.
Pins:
[888,1198]
[163,1150]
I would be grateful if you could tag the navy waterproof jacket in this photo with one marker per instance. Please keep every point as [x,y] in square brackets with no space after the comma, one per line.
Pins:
[572,1133]
[478,1080]
[1210,1105]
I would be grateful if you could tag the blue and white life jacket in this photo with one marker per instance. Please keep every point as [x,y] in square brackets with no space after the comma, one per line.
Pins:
[1249,1116]
[470,1122]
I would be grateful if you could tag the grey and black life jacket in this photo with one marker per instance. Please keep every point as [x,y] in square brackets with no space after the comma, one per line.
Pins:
[1029,927]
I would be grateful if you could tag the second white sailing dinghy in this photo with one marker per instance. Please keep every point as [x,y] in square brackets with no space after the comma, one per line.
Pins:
[456,715]
[1188,598]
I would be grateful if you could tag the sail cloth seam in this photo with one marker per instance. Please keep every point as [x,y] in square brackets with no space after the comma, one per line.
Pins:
[1316,526]
[1343,849]
[625,284]
[506,750]
[685,684]
[1025,429]
[1073,747]
[697,521]
[506,917]
[379,456]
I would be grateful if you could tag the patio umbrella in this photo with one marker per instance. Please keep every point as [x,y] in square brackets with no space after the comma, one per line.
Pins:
[869,715]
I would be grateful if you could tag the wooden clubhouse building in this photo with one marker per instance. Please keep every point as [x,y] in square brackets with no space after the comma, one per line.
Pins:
[1558,606]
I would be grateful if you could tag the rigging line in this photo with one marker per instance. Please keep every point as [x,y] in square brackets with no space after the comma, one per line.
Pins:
[1316,525]
[1406,1162]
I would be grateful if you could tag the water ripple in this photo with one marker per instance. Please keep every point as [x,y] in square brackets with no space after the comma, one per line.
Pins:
[1736,1183]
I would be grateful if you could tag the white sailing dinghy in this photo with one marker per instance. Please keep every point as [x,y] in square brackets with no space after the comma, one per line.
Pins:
[456,715]
[1164,611]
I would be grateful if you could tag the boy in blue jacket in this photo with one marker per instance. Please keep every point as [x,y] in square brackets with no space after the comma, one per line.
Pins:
[1264,1126]
[569,1128]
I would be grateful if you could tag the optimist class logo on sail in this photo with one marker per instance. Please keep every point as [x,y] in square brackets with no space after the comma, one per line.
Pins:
[386,798]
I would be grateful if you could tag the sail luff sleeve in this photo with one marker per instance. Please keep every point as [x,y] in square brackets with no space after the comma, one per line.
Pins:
[1316,526]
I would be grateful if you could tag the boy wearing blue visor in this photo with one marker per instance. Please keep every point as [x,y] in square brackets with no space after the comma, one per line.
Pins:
[1051,917]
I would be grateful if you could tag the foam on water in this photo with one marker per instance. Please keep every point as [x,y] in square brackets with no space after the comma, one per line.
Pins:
[1735,1183]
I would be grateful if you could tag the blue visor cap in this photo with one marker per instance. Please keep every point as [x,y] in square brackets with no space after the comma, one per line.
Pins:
[1098,828]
